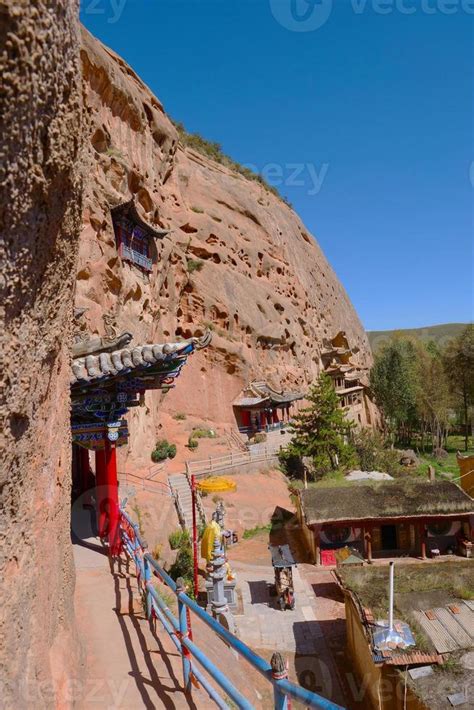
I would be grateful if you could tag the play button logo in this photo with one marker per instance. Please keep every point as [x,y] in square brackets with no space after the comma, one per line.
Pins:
[301,15]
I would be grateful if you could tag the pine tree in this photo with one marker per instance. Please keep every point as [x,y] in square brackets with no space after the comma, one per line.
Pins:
[320,429]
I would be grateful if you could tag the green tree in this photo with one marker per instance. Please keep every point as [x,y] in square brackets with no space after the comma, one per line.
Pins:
[320,429]
[393,379]
[459,366]
[433,398]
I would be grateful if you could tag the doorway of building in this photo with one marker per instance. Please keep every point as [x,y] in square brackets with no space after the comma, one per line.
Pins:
[389,537]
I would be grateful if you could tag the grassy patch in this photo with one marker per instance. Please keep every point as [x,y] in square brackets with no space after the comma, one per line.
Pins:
[214,151]
[200,433]
[257,530]
[371,584]
[203,433]
[178,538]
[194,265]
[139,518]
[448,464]
[114,153]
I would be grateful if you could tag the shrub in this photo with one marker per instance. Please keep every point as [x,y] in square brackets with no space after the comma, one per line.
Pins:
[183,564]
[203,433]
[198,210]
[163,450]
[258,438]
[192,443]
[178,538]
[374,455]
[157,550]
[194,265]
[290,463]
[138,513]
[179,416]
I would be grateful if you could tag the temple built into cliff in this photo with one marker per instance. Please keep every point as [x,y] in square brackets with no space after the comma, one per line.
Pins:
[133,236]
[105,384]
[261,408]
[350,381]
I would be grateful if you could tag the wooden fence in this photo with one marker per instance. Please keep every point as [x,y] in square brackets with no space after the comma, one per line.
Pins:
[216,465]
[144,484]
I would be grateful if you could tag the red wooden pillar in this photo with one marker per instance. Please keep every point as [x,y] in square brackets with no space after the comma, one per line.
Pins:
[101,492]
[112,497]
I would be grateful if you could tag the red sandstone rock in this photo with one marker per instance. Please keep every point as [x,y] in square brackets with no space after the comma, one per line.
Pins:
[265,287]
[40,215]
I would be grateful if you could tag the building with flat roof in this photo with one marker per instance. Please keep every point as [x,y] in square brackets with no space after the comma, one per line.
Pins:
[409,517]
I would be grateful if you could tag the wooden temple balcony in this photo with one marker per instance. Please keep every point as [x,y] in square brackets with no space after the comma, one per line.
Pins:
[129,254]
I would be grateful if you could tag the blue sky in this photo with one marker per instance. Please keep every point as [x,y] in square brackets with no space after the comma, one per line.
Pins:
[361,111]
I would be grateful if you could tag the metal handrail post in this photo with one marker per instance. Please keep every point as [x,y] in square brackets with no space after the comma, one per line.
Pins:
[279,672]
[183,633]
[147,579]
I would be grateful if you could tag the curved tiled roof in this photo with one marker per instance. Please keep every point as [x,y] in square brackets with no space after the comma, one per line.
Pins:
[129,209]
[257,393]
[103,365]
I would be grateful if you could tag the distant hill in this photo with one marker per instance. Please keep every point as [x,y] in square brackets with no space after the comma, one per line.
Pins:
[439,333]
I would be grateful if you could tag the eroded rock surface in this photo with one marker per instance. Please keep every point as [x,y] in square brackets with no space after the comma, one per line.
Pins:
[40,213]
[263,283]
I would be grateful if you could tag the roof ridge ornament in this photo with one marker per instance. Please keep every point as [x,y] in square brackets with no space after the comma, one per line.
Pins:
[95,344]
[90,364]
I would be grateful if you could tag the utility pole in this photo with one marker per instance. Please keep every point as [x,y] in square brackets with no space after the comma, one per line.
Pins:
[195,536]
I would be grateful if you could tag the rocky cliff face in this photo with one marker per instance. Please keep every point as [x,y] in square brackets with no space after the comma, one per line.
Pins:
[264,286]
[40,213]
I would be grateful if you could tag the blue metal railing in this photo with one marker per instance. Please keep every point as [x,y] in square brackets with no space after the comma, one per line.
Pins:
[177,628]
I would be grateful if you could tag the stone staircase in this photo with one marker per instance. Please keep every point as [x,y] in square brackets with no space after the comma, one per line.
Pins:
[181,488]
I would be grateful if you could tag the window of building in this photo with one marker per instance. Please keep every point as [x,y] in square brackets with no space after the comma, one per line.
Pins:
[134,237]
[441,528]
[338,535]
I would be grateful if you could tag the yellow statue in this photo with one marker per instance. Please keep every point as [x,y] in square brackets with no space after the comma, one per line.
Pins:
[212,530]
